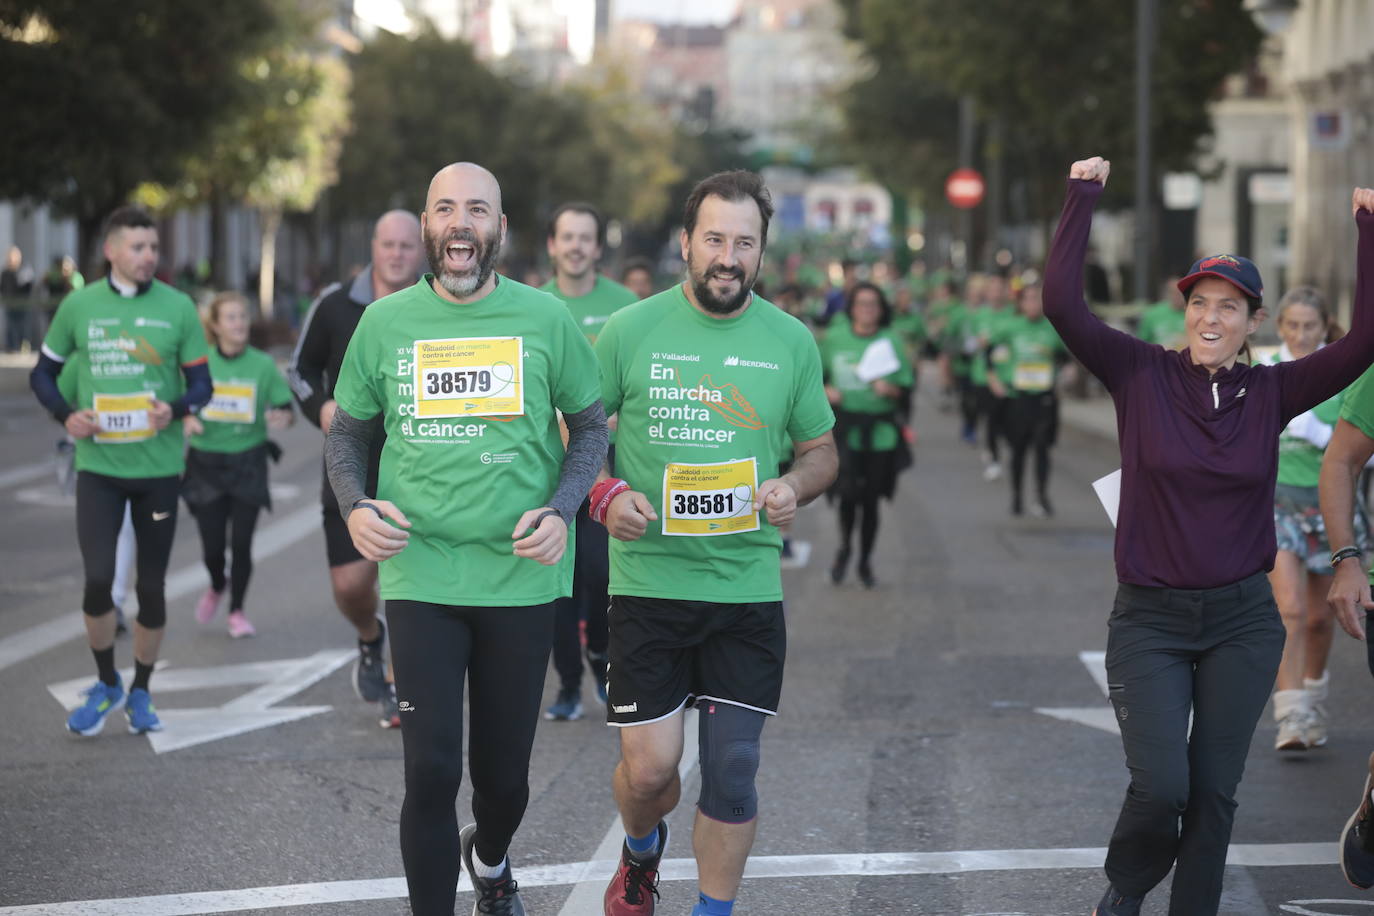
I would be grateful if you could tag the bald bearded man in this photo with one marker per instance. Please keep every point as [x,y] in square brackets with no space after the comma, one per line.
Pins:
[467,371]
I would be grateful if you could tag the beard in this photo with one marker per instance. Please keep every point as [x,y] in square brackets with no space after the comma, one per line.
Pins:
[712,303]
[463,283]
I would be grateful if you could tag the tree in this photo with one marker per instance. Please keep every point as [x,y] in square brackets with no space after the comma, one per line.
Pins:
[1062,81]
[102,96]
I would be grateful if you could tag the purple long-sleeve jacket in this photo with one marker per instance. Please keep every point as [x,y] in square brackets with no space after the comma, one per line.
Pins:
[1199,451]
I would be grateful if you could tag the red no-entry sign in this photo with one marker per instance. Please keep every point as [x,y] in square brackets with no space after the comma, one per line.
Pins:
[964,188]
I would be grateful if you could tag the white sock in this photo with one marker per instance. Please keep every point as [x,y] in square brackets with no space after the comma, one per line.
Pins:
[1317,690]
[1286,701]
[483,870]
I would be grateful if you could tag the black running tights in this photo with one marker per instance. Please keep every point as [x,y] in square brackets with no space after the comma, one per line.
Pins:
[863,504]
[215,521]
[502,653]
[100,502]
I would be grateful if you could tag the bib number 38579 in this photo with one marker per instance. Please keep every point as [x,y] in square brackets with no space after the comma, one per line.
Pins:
[703,500]
[469,377]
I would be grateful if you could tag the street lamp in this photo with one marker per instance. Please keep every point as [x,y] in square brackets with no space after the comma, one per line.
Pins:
[1272,15]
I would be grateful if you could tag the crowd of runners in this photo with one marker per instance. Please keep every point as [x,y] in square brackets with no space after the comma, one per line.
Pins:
[630,462]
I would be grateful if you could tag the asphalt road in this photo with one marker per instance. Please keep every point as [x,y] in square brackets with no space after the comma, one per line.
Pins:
[943,746]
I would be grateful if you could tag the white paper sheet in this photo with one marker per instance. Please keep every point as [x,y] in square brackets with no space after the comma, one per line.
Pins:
[879,359]
[1108,490]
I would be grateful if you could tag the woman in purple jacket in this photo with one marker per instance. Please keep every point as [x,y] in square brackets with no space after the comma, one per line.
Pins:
[1194,629]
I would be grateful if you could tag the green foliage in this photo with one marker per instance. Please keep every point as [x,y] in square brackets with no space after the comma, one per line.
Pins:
[102,96]
[1061,73]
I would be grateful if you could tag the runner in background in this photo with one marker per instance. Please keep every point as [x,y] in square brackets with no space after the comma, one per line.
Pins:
[1163,322]
[225,485]
[638,277]
[868,377]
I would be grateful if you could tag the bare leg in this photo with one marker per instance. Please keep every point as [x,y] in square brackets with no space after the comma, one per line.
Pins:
[721,850]
[1288,580]
[646,782]
[1320,630]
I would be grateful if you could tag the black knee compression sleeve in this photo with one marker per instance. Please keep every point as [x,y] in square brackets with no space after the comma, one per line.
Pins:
[729,749]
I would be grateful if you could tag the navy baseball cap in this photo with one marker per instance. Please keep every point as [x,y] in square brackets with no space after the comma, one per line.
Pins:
[1239,272]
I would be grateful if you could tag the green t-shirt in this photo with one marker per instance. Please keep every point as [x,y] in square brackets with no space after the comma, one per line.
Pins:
[1163,324]
[246,385]
[1357,409]
[695,390]
[1026,354]
[983,325]
[954,338]
[592,311]
[474,444]
[910,328]
[841,352]
[123,351]
[1300,461]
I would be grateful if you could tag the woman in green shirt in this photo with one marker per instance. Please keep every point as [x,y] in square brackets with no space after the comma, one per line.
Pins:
[867,378]
[1026,357]
[1302,567]
[226,467]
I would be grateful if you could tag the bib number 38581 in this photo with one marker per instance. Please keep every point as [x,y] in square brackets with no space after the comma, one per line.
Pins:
[469,377]
[704,500]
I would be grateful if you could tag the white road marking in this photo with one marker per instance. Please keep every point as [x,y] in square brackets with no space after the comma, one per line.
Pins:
[185,728]
[590,882]
[1100,717]
[1300,906]
[25,473]
[269,541]
[813,866]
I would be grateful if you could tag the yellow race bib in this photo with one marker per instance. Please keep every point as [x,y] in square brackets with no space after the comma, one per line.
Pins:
[123,418]
[469,377]
[703,500]
[232,404]
[1033,377]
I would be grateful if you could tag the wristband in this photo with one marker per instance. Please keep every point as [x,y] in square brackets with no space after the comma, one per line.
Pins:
[600,498]
[1345,553]
[361,503]
[545,514]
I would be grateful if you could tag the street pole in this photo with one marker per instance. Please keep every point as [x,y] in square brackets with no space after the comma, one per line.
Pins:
[1145,16]
[963,226]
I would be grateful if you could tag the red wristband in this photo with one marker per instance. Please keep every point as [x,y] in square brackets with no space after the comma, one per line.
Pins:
[600,498]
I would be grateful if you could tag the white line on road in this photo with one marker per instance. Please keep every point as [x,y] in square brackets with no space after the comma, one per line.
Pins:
[186,581]
[25,472]
[814,866]
[590,883]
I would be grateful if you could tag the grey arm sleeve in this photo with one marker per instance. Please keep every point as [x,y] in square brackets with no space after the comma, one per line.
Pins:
[587,442]
[345,458]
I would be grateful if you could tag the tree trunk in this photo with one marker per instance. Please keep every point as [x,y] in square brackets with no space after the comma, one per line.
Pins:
[219,241]
[269,221]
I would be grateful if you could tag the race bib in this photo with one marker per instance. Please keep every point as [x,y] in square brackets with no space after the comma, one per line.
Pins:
[1033,377]
[703,500]
[235,403]
[123,417]
[469,377]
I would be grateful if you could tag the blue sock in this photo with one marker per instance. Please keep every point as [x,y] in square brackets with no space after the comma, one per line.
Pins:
[643,846]
[710,906]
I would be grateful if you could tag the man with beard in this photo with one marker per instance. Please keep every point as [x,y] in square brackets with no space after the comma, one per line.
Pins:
[576,235]
[470,514]
[711,384]
[313,373]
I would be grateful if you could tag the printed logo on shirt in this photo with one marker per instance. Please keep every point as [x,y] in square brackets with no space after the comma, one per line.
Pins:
[731,361]
[152,323]
[498,457]
[679,357]
[695,422]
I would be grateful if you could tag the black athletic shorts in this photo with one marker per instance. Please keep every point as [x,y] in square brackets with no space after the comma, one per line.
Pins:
[338,545]
[667,653]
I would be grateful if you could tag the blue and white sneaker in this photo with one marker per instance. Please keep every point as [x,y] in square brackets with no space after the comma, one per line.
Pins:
[1357,839]
[88,719]
[142,715]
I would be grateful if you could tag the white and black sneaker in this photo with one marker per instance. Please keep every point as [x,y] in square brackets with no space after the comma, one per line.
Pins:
[495,896]
[369,671]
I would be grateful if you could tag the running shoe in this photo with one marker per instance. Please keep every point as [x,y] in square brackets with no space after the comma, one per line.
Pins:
[391,709]
[866,577]
[1115,903]
[142,715]
[208,605]
[634,889]
[1039,510]
[1292,734]
[598,663]
[567,707]
[369,671]
[992,472]
[101,699]
[1316,732]
[1357,839]
[495,896]
[240,627]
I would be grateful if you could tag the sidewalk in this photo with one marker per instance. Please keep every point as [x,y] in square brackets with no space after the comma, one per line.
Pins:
[14,371]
